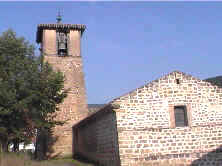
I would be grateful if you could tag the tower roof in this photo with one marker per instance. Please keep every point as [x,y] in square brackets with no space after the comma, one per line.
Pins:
[57,26]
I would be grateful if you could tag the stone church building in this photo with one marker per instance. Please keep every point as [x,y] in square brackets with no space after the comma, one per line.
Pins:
[174,119]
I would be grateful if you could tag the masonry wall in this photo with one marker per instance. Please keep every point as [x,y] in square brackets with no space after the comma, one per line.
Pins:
[96,139]
[146,124]
[49,42]
[171,146]
[74,108]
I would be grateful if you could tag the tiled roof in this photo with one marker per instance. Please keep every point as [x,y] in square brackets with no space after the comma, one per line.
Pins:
[40,28]
[95,107]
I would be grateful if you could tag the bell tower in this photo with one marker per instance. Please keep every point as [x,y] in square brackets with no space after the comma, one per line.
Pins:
[60,46]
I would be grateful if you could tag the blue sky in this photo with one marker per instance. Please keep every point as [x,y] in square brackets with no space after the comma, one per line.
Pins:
[128,44]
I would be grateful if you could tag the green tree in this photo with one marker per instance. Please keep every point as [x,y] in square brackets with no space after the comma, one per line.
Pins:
[30,91]
[215,81]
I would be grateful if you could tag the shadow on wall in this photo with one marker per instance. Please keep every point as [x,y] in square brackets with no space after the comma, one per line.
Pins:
[44,143]
[213,158]
[95,139]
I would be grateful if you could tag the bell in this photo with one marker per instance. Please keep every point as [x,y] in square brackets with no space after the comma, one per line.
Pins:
[62,46]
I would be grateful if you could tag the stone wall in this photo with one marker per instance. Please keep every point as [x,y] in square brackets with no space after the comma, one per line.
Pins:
[74,108]
[179,145]
[150,105]
[146,128]
[146,123]
[49,42]
[95,138]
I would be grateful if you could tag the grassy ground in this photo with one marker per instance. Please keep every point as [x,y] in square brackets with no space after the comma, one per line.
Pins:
[24,160]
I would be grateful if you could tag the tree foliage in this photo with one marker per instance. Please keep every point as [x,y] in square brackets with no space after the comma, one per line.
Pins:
[215,81]
[30,91]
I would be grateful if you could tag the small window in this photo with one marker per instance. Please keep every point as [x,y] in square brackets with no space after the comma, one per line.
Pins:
[180,114]
[177,81]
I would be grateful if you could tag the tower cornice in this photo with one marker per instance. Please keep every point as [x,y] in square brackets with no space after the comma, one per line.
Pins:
[63,27]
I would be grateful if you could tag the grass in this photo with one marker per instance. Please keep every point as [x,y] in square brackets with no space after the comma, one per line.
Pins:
[13,159]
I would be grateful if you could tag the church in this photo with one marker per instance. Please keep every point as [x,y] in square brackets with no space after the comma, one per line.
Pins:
[173,120]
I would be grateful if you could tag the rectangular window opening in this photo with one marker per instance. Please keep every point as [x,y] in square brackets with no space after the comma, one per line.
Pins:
[180,114]
[62,43]
[177,81]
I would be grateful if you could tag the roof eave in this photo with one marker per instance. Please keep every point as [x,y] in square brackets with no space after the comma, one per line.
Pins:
[41,27]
